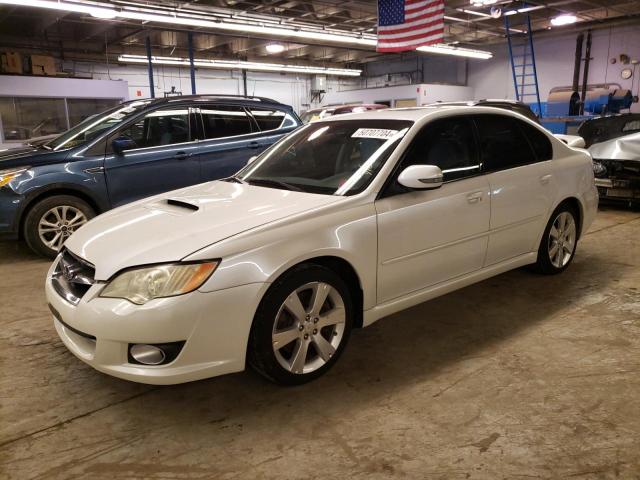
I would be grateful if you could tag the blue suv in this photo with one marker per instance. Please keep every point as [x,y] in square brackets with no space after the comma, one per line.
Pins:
[134,150]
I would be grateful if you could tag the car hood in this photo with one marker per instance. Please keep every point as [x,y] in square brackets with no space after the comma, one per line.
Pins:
[622,148]
[171,226]
[29,155]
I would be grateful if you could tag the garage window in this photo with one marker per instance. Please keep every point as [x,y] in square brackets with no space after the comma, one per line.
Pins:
[503,144]
[221,121]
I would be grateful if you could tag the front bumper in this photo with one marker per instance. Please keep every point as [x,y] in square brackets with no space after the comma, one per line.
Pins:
[11,205]
[215,327]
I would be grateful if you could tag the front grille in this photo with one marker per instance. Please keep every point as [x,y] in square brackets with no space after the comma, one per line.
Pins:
[72,277]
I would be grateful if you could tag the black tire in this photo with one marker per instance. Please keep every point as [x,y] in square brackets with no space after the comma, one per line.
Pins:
[40,209]
[544,263]
[260,352]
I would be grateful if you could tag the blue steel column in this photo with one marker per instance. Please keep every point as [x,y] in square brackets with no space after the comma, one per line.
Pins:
[150,67]
[191,67]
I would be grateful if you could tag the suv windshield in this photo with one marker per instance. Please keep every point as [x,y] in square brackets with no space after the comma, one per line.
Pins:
[91,127]
[331,158]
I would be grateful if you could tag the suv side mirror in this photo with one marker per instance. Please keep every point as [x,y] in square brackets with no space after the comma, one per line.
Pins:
[121,144]
[421,177]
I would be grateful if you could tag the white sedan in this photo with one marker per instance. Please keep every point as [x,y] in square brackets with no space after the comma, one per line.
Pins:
[341,223]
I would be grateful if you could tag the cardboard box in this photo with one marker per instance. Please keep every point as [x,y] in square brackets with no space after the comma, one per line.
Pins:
[11,62]
[43,65]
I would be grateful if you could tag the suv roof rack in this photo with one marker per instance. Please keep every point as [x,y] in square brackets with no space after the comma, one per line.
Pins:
[222,95]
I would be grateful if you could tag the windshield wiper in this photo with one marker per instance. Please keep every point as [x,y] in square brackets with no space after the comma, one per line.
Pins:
[233,179]
[275,183]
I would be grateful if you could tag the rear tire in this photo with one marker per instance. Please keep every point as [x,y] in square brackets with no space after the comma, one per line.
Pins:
[559,242]
[301,326]
[52,220]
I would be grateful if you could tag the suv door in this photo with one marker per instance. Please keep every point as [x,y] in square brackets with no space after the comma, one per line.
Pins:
[517,158]
[227,138]
[160,160]
[426,237]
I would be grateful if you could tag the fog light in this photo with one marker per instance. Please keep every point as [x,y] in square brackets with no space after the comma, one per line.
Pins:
[147,354]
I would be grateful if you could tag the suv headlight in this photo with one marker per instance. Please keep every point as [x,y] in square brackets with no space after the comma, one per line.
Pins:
[139,285]
[7,175]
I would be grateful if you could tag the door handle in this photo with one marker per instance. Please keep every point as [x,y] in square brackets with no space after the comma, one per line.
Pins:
[254,145]
[474,197]
[181,155]
[545,179]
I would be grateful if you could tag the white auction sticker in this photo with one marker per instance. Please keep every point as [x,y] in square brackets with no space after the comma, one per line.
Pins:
[374,133]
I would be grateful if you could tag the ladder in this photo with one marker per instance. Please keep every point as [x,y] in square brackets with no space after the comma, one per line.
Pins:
[523,60]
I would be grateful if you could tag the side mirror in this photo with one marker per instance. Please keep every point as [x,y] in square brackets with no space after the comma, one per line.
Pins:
[121,144]
[421,177]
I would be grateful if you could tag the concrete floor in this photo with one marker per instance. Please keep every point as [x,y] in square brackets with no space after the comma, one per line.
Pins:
[518,376]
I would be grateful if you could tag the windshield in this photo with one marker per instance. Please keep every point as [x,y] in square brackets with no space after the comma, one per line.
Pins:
[91,127]
[331,158]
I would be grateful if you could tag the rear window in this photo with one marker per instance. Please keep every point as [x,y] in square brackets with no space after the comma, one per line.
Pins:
[502,143]
[272,119]
[539,142]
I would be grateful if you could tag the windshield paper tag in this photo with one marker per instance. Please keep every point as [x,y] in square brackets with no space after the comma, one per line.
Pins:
[374,133]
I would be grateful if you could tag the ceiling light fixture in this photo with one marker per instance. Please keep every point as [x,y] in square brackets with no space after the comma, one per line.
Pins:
[563,20]
[241,65]
[456,51]
[274,48]
[216,22]
[482,3]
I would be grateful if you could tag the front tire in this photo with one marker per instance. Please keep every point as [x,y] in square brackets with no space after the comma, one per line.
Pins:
[559,242]
[301,326]
[52,220]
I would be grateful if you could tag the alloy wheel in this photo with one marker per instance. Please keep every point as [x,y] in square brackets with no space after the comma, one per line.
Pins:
[562,239]
[309,327]
[58,223]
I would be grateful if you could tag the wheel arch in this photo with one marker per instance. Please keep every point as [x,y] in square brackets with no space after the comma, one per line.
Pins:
[346,271]
[51,192]
[576,205]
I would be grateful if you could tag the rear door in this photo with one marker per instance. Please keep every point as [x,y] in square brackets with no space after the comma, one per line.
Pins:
[228,137]
[517,159]
[161,160]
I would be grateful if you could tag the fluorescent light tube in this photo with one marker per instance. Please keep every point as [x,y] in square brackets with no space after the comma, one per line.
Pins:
[240,65]
[457,51]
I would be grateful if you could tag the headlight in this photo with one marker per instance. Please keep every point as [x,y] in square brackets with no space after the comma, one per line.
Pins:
[7,175]
[143,284]
[598,168]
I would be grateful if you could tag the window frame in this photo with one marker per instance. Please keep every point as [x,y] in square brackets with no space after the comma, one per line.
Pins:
[109,137]
[517,122]
[200,122]
[264,107]
[392,179]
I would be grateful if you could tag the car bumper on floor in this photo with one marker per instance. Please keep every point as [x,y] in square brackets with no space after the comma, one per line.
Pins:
[214,327]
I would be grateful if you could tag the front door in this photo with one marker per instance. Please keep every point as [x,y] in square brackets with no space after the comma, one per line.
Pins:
[161,157]
[426,237]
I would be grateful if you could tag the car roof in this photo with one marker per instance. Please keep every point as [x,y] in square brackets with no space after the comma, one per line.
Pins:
[418,113]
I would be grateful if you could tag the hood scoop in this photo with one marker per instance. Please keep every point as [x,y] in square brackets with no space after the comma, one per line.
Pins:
[180,203]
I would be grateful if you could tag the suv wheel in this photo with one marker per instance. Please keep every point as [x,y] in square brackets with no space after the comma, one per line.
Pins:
[52,220]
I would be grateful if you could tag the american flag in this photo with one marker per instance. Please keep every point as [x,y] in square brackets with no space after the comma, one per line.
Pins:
[409,24]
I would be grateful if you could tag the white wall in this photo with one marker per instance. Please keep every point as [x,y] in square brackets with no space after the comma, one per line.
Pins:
[554,62]
[423,93]
[23,86]
[291,89]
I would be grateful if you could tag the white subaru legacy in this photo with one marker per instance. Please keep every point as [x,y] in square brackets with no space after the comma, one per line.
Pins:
[339,224]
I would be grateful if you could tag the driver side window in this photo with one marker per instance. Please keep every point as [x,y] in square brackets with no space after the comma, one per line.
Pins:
[449,144]
[157,128]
